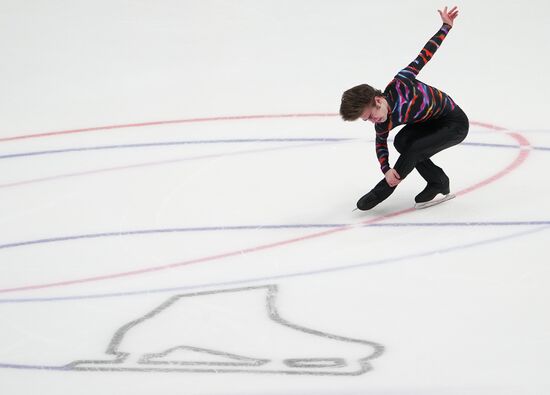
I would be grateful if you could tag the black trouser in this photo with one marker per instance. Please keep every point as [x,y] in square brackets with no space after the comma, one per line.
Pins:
[417,142]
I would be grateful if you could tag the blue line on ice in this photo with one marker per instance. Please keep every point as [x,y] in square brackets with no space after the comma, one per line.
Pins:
[224,141]
[261,227]
[287,275]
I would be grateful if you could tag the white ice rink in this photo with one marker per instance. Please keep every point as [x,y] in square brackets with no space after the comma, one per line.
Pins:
[176,195]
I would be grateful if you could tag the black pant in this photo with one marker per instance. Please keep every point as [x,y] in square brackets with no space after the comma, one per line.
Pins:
[417,142]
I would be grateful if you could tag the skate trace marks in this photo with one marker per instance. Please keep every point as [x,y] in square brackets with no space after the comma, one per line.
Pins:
[522,155]
[265,341]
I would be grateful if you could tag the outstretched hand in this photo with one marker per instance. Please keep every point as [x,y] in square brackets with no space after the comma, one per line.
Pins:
[448,17]
[392,178]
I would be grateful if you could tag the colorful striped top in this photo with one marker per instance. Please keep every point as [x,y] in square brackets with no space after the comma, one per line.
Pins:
[411,100]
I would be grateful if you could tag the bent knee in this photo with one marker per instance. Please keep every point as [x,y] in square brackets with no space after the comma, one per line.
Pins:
[399,143]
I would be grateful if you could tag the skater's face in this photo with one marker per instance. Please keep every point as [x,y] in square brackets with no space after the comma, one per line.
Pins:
[376,113]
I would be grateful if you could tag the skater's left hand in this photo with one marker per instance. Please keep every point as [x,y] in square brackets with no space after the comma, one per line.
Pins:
[449,16]
[392,178]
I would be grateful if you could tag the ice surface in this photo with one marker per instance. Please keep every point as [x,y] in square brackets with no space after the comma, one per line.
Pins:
[177,195]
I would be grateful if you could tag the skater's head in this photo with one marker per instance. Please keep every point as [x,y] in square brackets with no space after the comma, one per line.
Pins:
[365,102]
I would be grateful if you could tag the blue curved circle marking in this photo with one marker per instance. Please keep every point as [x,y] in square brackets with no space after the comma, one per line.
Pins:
[199,229]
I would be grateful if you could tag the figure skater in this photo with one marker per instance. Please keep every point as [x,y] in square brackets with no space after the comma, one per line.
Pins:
[433,122]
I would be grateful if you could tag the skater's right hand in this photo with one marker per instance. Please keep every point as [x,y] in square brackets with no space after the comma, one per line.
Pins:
[392,177]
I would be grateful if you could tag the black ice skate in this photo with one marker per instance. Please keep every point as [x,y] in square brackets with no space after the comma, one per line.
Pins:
[378,194]
[433,194]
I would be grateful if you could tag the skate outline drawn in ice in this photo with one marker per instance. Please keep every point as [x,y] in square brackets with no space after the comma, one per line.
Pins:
[211,360]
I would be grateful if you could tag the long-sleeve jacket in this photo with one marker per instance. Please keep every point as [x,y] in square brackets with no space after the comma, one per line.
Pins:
[411,100]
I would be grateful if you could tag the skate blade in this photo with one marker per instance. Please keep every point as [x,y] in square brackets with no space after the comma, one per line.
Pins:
[434,202]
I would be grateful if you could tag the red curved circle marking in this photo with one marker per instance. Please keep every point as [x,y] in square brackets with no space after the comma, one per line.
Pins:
[520,158]
[158,123]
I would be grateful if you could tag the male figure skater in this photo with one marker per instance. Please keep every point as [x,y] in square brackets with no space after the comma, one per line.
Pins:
[433,122]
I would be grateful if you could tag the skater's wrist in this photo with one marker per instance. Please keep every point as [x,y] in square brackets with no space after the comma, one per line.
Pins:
[392,178]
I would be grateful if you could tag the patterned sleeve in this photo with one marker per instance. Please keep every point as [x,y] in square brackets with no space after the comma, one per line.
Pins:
[412,70]
[381,144]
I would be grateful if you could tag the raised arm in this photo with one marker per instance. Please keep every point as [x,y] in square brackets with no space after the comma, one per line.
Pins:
[448,17]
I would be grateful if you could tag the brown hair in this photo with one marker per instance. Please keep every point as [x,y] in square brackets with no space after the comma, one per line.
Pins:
[355,100]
